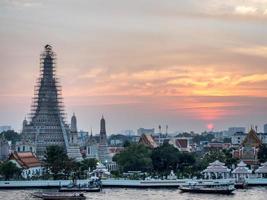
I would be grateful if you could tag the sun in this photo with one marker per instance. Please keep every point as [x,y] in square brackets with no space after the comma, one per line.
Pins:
[210,126]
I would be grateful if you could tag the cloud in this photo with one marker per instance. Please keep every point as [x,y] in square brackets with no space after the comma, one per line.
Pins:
[245,10]
[260,51]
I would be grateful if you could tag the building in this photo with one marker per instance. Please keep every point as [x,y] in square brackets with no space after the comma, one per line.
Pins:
[145,131]
[216,170]
[28,162]
[241,172]
[216,146]
[265,128]
[91,147]
[5,128]
[73,149]
[4,148]
[232,130]
[238,138]
[148,141]
[25,145]
[47,125]
[103,153]
[160,138]
[248,149]
[183,144]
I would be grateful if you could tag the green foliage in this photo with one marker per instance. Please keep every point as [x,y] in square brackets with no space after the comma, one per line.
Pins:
[9,170]
[87,164]
[186,164]
[11,136]
[57,161]
[127,143]
[136,157]
[165,158]
[224,156]
[262,153]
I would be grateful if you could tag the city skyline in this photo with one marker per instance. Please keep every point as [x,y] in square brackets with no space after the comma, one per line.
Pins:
[188,65]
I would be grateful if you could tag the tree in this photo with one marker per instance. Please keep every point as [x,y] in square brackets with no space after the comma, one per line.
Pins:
[11,135]
[262,153]
[9,169]
[89,163]
[165,158]
[55,160]
[186,164]
[135,157]
[224,156]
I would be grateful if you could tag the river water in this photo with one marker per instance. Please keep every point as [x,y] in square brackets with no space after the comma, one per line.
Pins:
[256,193]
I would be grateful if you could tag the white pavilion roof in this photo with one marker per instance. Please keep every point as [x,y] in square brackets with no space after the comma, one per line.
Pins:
[242,169]
[262,169]
[216,167]
[216,163]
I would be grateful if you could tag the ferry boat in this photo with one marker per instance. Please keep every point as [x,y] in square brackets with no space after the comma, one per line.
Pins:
[214,187]
[59,196]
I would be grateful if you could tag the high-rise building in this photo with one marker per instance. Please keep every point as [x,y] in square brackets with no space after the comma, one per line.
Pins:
[265,128]
[47,125]
[103,153]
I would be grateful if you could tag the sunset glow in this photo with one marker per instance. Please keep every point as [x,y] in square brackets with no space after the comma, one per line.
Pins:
[151,62]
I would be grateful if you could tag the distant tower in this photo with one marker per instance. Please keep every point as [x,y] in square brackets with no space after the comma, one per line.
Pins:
[103,134]
[73,149]
[167,129]
[160,129]
[103,143]
[47,123]
[73,130]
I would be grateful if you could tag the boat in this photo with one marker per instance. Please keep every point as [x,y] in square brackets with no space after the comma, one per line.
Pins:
[94,185]
[213,187]
[59,196]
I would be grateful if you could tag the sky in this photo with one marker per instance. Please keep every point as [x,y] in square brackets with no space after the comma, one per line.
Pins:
[191,65]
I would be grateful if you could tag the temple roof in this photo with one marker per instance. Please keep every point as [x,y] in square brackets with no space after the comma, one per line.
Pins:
[252,139]
[147,140]
[25,159]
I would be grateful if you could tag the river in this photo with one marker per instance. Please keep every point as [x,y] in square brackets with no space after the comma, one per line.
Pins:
[256,193]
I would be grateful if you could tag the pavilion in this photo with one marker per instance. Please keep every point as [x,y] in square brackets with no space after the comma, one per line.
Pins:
[216,170]
[241,171]
[262,171]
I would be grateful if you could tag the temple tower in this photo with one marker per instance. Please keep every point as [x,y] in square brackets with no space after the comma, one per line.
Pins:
[73,130]
[47,118]
[103,144]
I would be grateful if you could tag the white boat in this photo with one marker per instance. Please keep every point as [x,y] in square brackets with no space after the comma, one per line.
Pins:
[214,187]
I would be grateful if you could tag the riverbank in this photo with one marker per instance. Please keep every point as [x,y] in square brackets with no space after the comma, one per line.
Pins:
[120,183]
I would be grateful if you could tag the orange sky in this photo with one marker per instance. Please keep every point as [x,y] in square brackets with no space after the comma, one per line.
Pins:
[140,63]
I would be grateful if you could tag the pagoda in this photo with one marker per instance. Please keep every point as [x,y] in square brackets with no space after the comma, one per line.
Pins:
[47,125]
[103,152]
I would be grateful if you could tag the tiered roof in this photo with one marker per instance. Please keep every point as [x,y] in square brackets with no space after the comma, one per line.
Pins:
[216,167]
[242,169]
[252,139]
